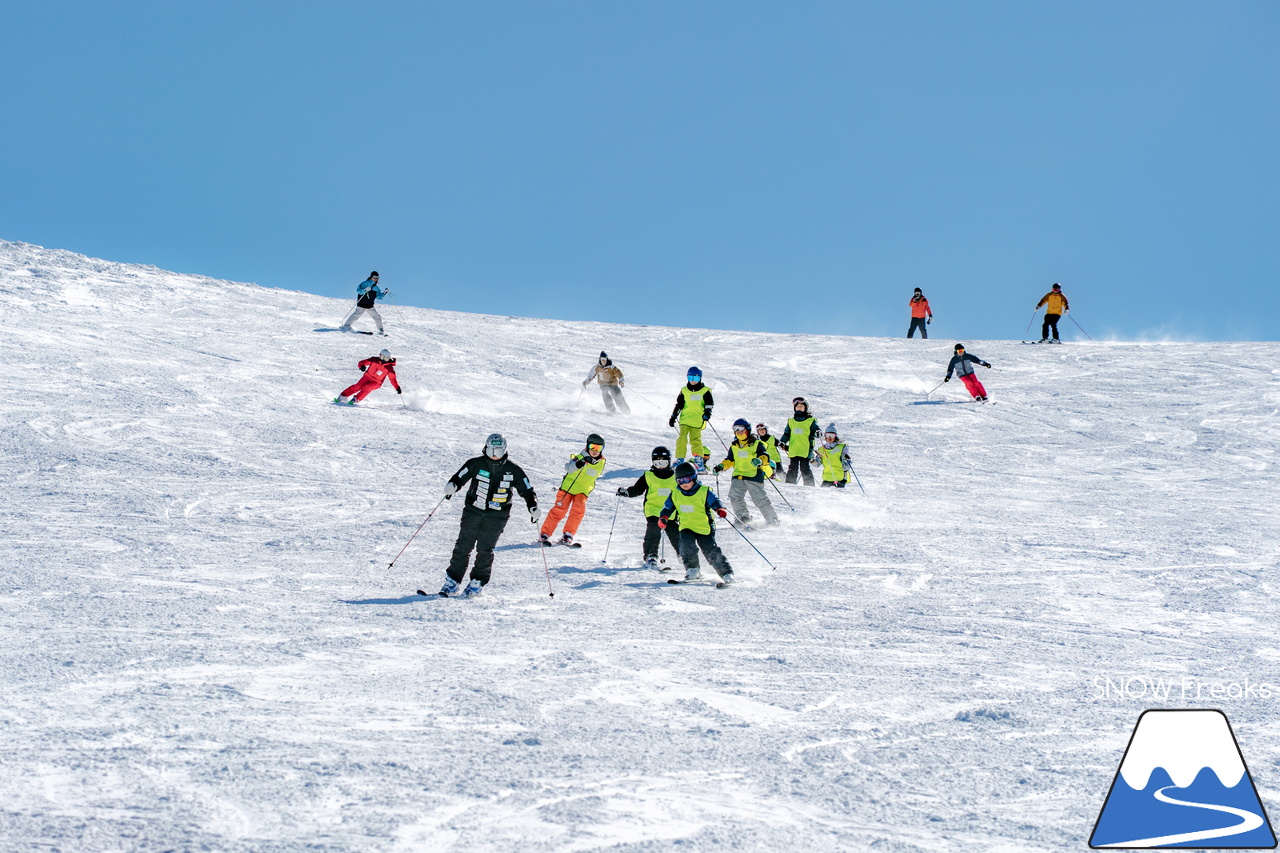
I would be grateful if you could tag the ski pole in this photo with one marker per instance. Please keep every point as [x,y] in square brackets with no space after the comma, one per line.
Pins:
[931,390]
[617,502]
[1081,328]
[581,391]
[646,399]
[855,478]
[717,432]
[416,532]
[546,568]
[753,547]
[780,494]
[1034,311]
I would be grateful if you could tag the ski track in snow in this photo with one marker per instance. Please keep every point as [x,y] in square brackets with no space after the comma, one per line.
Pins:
[202,647]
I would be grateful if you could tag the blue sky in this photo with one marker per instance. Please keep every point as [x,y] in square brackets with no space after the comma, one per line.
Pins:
[744,165]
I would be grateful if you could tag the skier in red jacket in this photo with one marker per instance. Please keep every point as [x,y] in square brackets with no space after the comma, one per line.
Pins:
[377,369]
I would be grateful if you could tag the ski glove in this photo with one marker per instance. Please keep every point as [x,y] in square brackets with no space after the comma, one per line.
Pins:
[449,491]
[399,391]
[721,512]
[622,492]
[672,422]
[535,514]
[927,322]
[946,379]
[579,462]
[706,416]
[662,522]
[718,469]
[756,462]
[984,364]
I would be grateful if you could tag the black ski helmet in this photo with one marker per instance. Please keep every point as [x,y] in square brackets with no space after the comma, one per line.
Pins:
[800,401]
[594,438]
[1057,286]
[660,453]
[373,274]
[685,471]
[959,347]
[921,292]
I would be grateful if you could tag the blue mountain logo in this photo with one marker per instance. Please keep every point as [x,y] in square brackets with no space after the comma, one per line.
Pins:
[1183,783]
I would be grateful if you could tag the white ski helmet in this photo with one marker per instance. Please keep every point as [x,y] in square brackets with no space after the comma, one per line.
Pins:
[495,446]
[385,355]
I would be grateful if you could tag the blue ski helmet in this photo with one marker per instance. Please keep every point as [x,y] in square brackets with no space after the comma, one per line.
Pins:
[695,373]
[743,424]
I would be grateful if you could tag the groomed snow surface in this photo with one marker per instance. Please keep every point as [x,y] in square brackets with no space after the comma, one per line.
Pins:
[203,649]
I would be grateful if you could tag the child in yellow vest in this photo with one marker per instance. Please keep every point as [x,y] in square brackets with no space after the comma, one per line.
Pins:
[656,486]
[580,475]
[835,460]
[693,505]
[693,410]
[748,461]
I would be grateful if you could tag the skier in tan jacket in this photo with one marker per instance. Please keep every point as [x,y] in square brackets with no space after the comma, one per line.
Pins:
[1055,305]
[609,378]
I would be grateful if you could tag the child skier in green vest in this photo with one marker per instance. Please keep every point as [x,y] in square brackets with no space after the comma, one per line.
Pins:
[771,445]
[656,485]
[834,456]
[580,475]
[798,440]
[693,410]
[693,504]
[748,460]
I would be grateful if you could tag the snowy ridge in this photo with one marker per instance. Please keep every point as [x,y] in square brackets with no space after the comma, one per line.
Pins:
[1183,743]
[201,645]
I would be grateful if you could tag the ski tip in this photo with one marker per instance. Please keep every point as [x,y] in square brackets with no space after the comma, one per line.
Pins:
[420,592]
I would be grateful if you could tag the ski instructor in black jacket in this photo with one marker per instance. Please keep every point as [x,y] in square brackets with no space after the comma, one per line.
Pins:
[492,477]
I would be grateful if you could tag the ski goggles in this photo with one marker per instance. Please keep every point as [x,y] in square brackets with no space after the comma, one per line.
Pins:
[832,437]
[742,429]
[685,481]
[761,428]
[662,463]
[595,447]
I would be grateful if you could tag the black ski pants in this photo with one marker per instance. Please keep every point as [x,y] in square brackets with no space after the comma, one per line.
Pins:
[613,401]
[480,530]
[800,464]
[653,537]
[917,323]
[690,542]
[838,484]
[1050,322]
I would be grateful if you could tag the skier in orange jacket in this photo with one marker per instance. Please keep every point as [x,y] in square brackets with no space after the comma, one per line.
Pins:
[919,312]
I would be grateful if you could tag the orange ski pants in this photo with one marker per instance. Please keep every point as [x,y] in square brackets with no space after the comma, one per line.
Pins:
[574,505]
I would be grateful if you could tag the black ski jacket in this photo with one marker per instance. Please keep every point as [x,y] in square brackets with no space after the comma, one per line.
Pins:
[496,478]
[642,485]
[814,432]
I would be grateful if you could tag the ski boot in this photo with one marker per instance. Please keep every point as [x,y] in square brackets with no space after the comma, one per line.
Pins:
[450,588]
[691,575]
[473,589]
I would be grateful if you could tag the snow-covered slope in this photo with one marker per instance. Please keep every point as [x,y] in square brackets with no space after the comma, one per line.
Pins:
[202,647]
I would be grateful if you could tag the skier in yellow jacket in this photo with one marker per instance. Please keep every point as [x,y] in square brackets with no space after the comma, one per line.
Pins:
[1055,305]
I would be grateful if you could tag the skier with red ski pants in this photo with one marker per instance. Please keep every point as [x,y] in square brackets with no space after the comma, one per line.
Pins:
[962,364]
[377,369]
